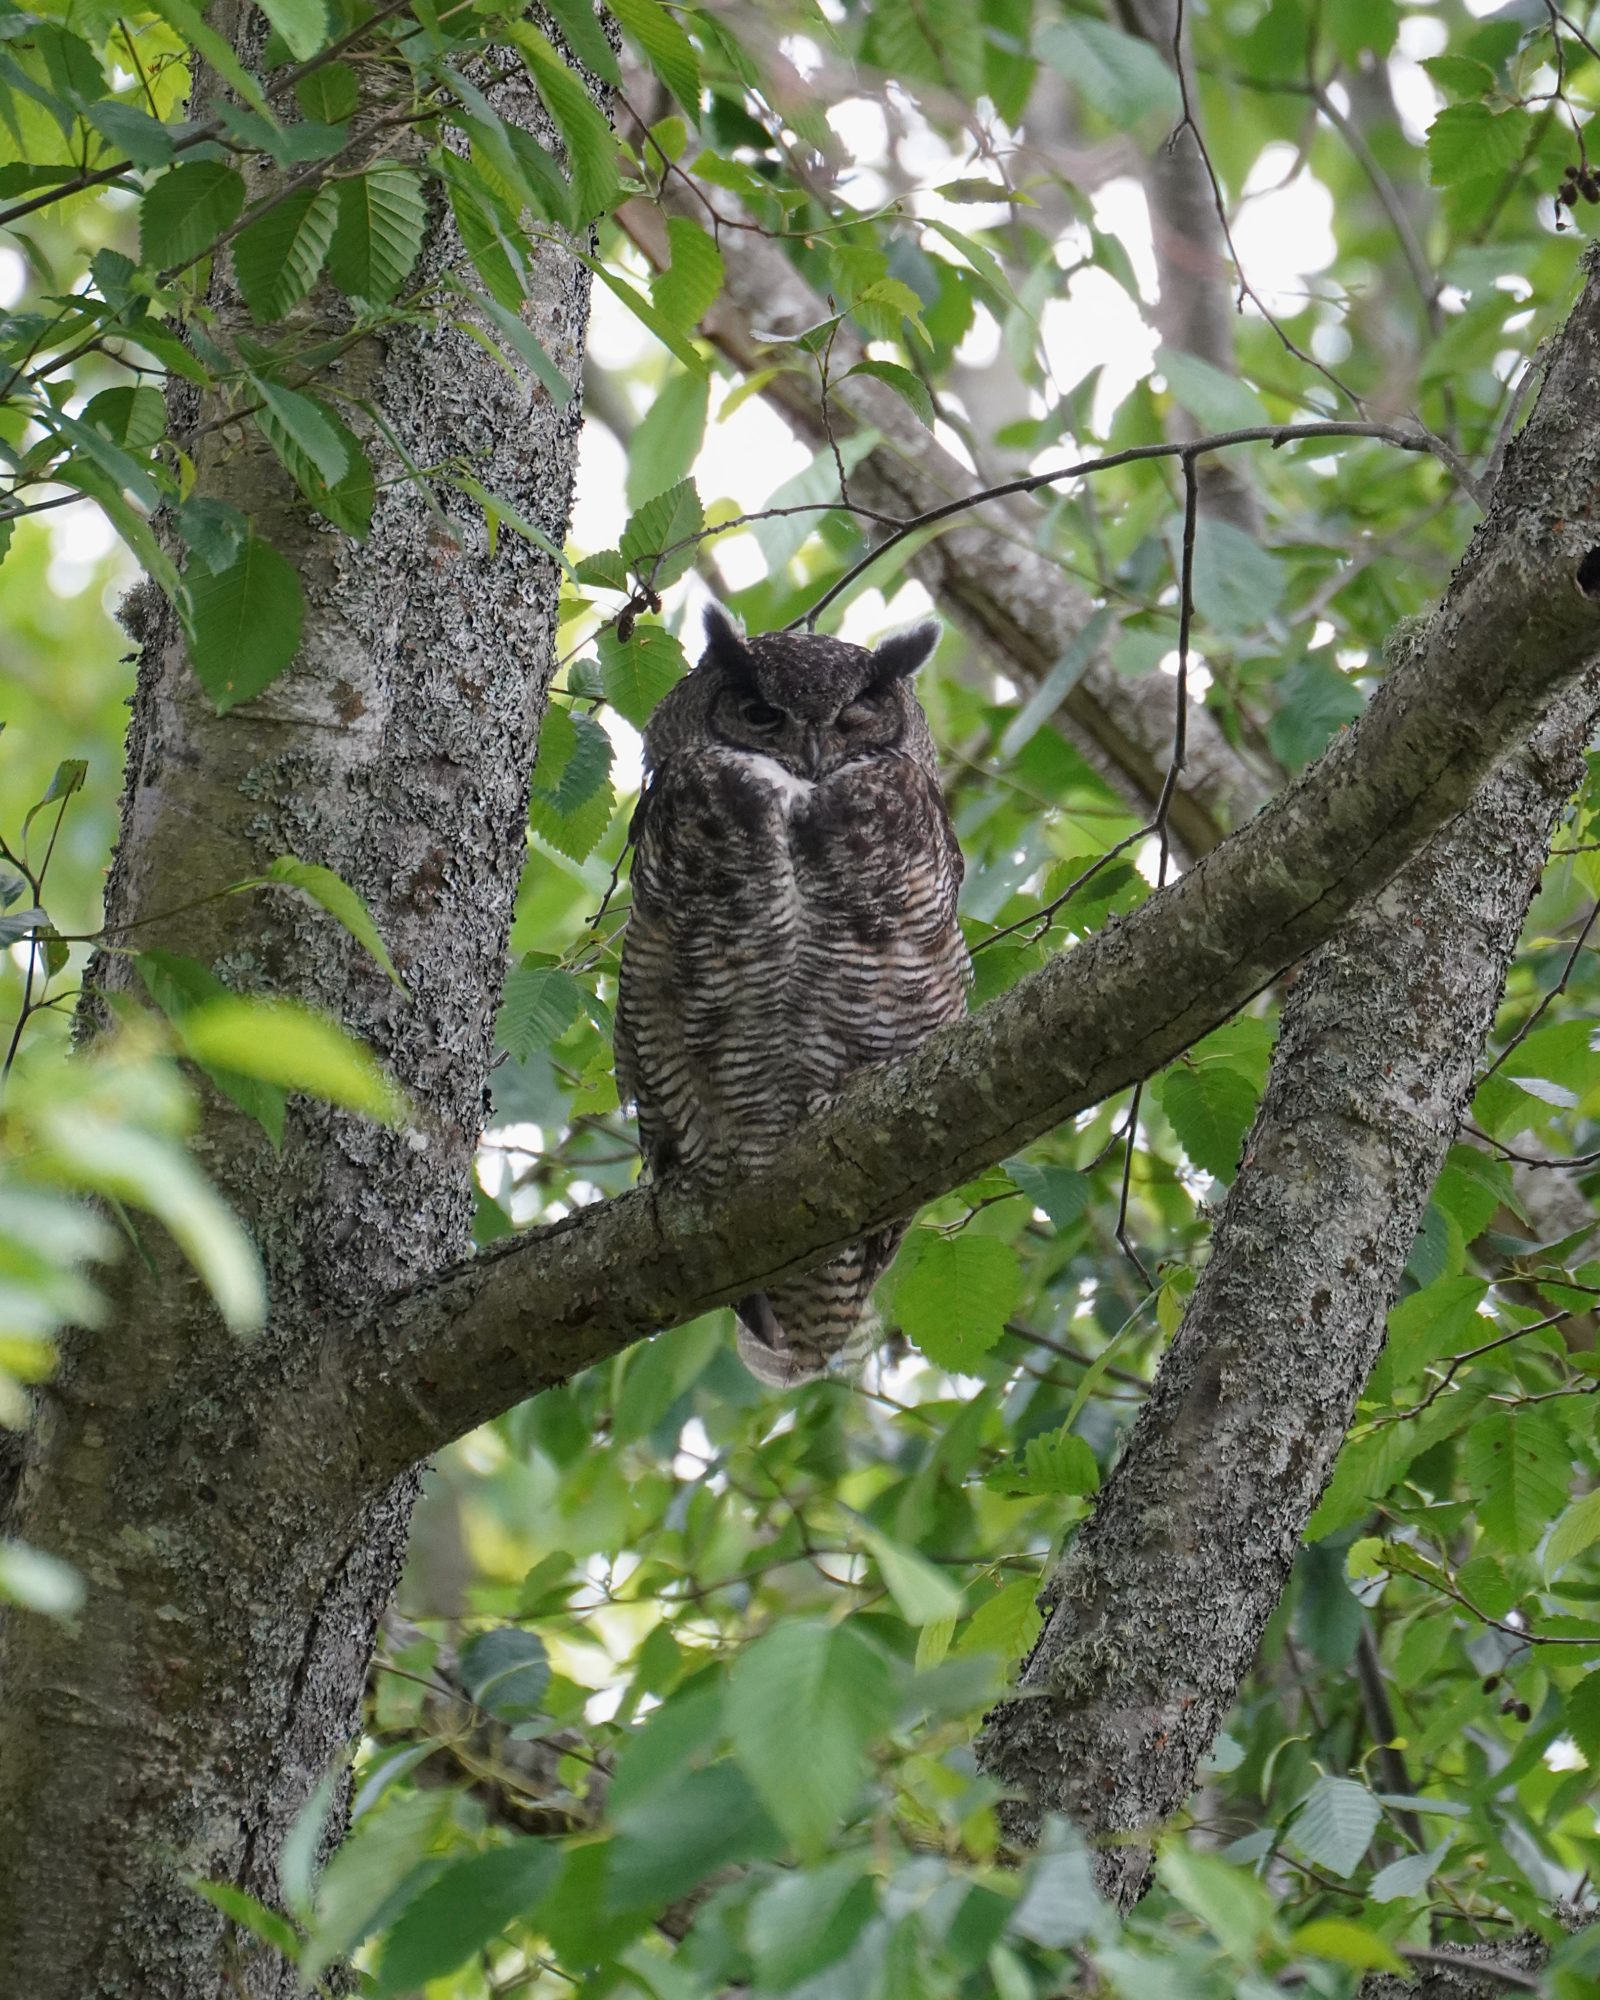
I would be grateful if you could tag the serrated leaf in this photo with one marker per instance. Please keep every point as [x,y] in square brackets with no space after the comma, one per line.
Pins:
[244,623]
[1518,1467]
[1581,1718]
[1211,1107]
[1434,1322]
[582,33]
[134,418]
[506,1672]
[329,95]
[637,671]
[693,278]
[1408,1876]
[302,24]
[378,236]
[1058,1462]
[280,257]
[1006,1623]
[1461,76]
[462,1911]
[667,440]
[908,387]
[571,803]
[186,210]
[242,1909]
[341,902]
[957,1296]
[541,1002]
[1215,399]
[667,49]
[187,24]
[1467,141]
[670,1840]
[1061,1192]
[1238,584]
[1335,1823]
[178,985]
[591,146]
[309,424]
[145,140]
[348,502]
[1124,79]
[671,517]
[821,1685]
[807,1920]
[606,569]
[1578,1529]
[882,306]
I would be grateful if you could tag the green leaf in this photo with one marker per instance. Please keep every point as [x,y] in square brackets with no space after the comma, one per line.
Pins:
[823,1686]
[340,901]
[922,1593]
[1238,584]
[957,1296]
[882,306]
[66,780]
[583,35]
[286,1044]
[692,280]
[186,210]
[244,623]
[1059,1904]
[645,312]
[1124,79]
[280,257]
[637,671]
[1061,1192]
[310,425]
[1211,1106]
[1518,1466]
[591,146]
[506,1672]
[1336,1820]
[1461,76]
[572,800]
[541,1002]
[1349,1944]
[178,985]
[186,22]
[607,570]
[1229,1901]
[329,95]
[302,24]
[1410,1875]
[1006,1623]
[670,1840]
[145,140]
[1315,701]
[1216,400]
[382,221]
[1581,1718]
[348,502]
[133,418]
[1440,1319]
[462,1911]
[807,1920]
[664,445]
[1057,1462]
[666,48]
[242,1909]
[668,518]
[908,387]
[1578,1529]
[1467,141]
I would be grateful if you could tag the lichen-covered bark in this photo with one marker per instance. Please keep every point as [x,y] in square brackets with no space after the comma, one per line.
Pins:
[1516,630]
[233,1583]
[986,570]
[1158,1606]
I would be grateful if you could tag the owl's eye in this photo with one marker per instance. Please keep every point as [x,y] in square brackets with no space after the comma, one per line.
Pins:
[857,715]
[761,716]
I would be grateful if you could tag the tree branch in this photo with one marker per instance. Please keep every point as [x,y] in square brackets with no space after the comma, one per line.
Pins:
[1515,631]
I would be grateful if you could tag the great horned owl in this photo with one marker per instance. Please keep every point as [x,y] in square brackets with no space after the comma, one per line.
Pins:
[794,918]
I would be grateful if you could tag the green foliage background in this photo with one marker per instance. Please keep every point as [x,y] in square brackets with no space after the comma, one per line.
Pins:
[681,1688]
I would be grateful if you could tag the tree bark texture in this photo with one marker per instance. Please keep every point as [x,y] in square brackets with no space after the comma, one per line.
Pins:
[234,1585]
[987,571]
[1516,630]
[1156,1611]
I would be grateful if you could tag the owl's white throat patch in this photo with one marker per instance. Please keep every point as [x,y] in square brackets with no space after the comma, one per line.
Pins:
[777,777]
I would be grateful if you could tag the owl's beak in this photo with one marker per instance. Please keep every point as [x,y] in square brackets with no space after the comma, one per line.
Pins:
[811,752]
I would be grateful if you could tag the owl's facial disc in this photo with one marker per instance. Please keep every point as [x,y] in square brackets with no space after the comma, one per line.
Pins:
[811,747]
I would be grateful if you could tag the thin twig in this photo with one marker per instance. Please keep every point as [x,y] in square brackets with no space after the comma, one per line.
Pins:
[1128,1250]
[1560,986]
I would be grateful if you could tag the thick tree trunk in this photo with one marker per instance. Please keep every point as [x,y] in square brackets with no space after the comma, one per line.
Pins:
[233,1589]
[1158,1606]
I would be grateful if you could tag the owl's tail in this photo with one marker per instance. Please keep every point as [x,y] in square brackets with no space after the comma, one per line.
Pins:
[800,1327]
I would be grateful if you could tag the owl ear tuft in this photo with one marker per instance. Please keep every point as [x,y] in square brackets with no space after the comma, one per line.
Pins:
[903,652]
[726,647]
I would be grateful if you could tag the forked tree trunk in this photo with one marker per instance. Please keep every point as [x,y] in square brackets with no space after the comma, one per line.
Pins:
[217,1669]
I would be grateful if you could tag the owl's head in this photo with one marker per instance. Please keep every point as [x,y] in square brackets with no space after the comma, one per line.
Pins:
[812,704]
